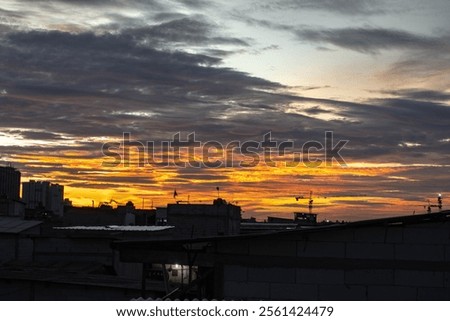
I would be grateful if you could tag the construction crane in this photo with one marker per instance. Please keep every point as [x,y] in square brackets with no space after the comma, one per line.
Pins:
[107,204]
[311,200]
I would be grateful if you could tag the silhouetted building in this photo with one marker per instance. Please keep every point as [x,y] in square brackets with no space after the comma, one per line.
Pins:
[195,220]
[300,220]
[15,239]
[11,207]
[161,216]
[273,219]
[74,263]
[259,227]
[305,218]
[44,196]
[9,183]
[397,258]
[10,203]
[107,215]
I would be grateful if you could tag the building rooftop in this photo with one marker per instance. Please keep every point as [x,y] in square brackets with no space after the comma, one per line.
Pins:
[82,275]
[261,226]
[120,228]
[15,225]
[389,221]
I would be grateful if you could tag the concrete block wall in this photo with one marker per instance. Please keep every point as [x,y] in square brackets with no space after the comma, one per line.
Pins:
[24,290]
[16,247]
[360,263]
[285,284]
[8,249]
[198,220]
[197,226]
[74,250]
[25,250]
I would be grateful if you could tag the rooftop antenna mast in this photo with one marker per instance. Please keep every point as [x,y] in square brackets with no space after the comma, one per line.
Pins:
[310,203]
[439,204]
[428,207]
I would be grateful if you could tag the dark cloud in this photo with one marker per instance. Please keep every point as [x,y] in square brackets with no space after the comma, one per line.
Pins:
[210,177]
[314,110]
[263,22]
[137,76]
[343,6]
[361,203]
[102,85]
[371,40]
[420,94]
[36,135]
[102,3]
[346,7]
[307,88]
[196,4]
[192,31]
[426,54]
[427,66]
[168,16]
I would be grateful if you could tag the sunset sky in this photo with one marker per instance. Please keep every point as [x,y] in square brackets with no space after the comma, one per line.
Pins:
[75,75]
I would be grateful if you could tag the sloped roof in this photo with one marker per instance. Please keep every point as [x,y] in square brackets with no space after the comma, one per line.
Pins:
[14,225]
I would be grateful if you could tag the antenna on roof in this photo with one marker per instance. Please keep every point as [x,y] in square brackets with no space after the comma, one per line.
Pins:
[439,204]
[310,202]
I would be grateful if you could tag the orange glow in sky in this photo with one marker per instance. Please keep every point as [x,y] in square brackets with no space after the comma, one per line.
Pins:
[261,191]
[373,73]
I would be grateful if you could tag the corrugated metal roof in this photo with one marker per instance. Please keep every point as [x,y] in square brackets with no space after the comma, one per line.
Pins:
[14,225]
[119,228]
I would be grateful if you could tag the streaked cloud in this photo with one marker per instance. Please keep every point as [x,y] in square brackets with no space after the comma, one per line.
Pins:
[372,40]
[346,7]
[70,82]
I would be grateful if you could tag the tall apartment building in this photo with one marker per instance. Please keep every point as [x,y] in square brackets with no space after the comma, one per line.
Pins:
[9,183]
[10,203]
[38,194]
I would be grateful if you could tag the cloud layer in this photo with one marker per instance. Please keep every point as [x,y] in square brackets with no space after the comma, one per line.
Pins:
[67,88]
